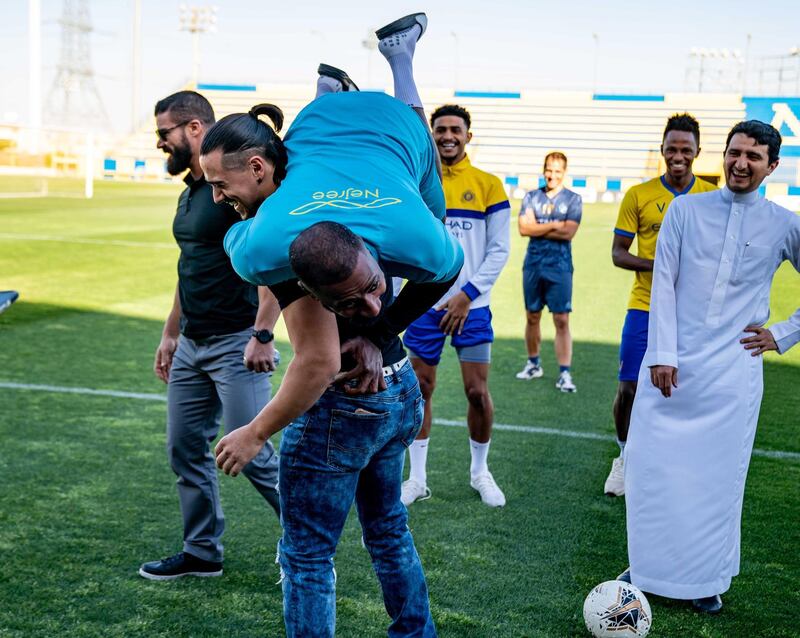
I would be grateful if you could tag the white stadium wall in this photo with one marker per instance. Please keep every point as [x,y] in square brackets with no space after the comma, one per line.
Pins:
[612,141]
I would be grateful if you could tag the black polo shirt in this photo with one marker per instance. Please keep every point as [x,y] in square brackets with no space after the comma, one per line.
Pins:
[214,300]
[391,348]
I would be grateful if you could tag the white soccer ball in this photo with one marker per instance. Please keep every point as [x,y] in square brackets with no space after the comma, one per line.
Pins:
[616,609]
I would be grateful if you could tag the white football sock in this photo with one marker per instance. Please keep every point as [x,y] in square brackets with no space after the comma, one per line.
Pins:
[399,52]
[479,452]
[326,84]
[418,454]
[621,447]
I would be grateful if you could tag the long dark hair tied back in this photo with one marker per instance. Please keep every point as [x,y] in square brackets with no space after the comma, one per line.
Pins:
[239,133]
[274,113]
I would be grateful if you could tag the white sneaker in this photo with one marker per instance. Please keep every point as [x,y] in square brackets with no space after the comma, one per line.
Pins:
[491,495]
[615,483]
[413,490]
[530,371]
[565,383]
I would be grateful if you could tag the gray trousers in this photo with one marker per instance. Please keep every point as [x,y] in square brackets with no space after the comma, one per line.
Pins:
[208,380]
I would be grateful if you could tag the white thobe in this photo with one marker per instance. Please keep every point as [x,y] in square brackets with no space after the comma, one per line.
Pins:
[687,456]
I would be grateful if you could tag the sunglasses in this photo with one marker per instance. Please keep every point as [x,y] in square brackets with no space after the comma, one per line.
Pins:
[162,133]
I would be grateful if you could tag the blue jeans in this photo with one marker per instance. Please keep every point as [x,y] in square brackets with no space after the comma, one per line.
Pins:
[346,448]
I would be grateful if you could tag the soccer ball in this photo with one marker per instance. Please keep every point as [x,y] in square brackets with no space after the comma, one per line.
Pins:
[616,609]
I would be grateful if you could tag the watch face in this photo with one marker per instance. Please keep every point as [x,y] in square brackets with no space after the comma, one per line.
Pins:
[263,336]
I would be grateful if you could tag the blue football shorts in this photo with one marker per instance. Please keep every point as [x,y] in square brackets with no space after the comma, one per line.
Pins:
[425,339]
[633,344]
[547,287]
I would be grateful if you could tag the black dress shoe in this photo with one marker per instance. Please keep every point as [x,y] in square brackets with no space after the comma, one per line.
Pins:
[709,604]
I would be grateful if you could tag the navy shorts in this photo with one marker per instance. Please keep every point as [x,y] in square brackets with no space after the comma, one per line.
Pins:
[633,344]
[425,339]
[546,287]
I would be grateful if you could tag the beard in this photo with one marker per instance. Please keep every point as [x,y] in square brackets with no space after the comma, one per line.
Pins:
[180,158]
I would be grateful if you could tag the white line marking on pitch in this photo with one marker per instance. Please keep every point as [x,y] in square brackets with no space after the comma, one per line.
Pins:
[527,429]
[75,390]
[81,240]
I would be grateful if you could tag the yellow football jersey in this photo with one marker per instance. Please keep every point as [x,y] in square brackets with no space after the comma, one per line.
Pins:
[478,215]
[640,215]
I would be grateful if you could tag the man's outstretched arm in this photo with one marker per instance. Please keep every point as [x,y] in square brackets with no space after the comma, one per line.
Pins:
[414,300]
[314,336]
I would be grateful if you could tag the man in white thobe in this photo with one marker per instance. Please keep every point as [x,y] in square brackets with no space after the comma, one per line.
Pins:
[694,418]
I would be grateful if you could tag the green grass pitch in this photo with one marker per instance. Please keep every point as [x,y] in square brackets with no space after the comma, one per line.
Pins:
[88,495]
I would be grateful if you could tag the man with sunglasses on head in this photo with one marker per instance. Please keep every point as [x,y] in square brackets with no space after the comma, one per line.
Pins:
[216,350]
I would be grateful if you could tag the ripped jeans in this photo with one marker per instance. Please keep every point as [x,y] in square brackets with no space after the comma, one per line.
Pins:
[349,448]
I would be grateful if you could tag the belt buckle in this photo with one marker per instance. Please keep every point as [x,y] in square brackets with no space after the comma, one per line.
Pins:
[394,368]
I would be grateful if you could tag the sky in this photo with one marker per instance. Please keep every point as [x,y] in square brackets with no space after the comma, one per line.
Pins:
[488,45]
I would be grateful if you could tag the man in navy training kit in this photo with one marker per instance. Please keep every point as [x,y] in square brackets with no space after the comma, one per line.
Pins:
[550,216]
[216,350]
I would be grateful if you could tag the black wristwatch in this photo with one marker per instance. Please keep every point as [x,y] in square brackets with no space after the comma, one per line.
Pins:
[263,336]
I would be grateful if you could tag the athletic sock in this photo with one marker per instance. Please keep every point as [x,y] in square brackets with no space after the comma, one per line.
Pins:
[326,84]
[418,454]
[479,452]
[621,446]
[400,56]
[534,360]
[405,89]
[563,369]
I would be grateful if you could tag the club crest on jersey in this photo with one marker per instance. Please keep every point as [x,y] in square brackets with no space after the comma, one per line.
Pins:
[467,196]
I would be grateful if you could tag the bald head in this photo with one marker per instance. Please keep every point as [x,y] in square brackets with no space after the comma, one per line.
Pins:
[333,264]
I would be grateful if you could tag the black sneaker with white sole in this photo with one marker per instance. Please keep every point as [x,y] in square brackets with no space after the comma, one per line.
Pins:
[179,565]
[337,74]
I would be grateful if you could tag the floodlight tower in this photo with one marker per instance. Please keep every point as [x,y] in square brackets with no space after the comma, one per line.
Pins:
[74,99]
[197,20]
[779,70]
[722,68]
[794,52]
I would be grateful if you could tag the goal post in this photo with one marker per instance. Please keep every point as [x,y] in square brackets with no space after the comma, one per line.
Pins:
[46,162]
